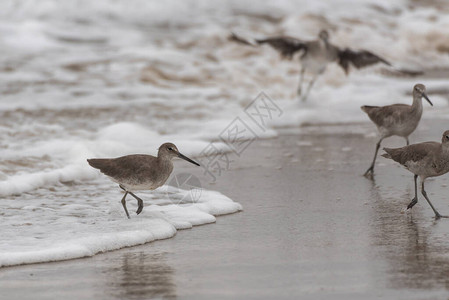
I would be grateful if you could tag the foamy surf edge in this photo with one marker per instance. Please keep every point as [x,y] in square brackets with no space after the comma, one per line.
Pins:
[112,231]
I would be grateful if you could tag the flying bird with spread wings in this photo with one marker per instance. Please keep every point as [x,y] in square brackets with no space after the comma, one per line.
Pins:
[315,55]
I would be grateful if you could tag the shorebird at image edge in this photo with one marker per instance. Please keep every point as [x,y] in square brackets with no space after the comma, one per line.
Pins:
[428,159]
[139,171]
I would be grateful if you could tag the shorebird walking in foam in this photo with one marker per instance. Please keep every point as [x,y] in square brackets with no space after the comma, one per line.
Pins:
[425,160]
[139,171]
[396,119]
[315,55]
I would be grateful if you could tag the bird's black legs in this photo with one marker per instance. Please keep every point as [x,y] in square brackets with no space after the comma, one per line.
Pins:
[414,200]
[437,214]
[370,170]
[406,139]
[301,80]
[139,201]
[309,87]
[124,204]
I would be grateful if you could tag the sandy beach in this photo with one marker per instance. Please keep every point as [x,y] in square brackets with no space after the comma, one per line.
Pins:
[312,228]
[289,214]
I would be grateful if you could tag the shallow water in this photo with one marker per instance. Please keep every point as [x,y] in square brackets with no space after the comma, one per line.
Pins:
[67,222]
[296,238]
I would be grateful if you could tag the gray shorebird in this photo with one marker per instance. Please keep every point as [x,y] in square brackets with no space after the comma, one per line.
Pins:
[139,171]
[315,55]
[425,160]
[396,119]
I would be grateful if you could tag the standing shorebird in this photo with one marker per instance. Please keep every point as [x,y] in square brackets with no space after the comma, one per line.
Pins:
[396,119]
[139,171]
[425,160]
[315,55]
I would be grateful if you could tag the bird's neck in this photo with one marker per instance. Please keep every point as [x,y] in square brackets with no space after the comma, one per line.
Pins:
[164,160]
[445,149]
[324,43]
[417,104]
[165,163]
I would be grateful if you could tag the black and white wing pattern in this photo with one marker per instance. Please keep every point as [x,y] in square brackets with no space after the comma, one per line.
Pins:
[238,39]
[358,59]
[287,46]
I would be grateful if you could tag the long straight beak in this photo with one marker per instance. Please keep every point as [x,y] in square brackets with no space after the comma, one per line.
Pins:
[188,159]
[427,98]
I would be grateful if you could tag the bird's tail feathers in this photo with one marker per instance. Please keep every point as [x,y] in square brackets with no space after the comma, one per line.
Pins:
[388,153]
[367,108]
[96,163]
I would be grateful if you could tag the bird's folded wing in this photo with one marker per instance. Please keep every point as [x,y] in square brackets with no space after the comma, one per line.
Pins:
[413,153]
[388,116]
[125,166]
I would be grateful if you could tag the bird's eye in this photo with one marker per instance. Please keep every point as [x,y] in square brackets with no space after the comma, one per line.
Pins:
[447,137]
[170,148]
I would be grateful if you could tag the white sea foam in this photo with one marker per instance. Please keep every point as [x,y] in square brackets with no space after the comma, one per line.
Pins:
[58,228]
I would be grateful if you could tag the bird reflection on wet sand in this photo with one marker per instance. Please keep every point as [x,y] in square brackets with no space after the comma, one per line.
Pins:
[141,276]
[410,244]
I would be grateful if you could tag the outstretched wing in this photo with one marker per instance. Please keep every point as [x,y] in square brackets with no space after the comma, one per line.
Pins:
[238,39]
[287,46]
[358,59]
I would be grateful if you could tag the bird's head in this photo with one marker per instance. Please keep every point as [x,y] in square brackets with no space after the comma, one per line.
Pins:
[420,91]
[169,150]
[324,35]
[445,138]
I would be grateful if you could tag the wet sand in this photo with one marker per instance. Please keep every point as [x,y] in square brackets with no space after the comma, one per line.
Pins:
[312,228]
